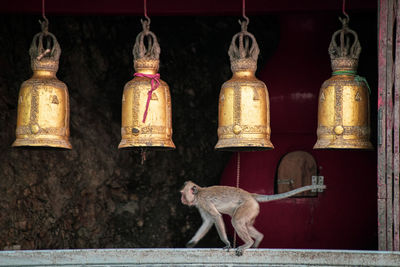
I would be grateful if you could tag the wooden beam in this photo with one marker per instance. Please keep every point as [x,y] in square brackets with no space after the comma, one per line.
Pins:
[197,257]
[178,7]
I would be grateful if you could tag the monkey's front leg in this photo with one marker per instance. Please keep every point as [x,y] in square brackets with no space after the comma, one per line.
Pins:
[204,228]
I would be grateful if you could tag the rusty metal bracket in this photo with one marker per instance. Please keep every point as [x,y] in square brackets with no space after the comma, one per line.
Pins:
[317,180]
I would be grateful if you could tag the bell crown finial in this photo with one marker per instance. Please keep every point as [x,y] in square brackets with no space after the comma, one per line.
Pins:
[345,55]
[242,55]
[152,51]
[45,50]
[146,57]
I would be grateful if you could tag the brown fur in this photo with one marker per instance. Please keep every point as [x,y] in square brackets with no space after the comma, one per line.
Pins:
[241,205]
[214,200]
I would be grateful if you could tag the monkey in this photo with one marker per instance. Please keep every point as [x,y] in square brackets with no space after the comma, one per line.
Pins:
[239,204]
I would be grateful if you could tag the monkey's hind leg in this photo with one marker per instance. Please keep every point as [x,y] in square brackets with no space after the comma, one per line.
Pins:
[258,237]
[243,218]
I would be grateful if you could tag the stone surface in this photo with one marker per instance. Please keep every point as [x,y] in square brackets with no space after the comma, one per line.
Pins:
[95,196]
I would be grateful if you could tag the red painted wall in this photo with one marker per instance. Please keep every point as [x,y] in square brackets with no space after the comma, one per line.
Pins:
[344,216]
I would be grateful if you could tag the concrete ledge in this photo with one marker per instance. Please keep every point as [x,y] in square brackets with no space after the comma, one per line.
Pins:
[198,257]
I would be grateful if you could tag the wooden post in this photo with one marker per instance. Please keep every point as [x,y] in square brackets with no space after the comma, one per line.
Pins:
[396,136]
[382,82]
[388,126]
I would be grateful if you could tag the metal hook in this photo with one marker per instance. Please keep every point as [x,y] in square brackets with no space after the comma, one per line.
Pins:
[345,21]
[148,20]
[247,19]
[244,23]
[145,25]
[44,25]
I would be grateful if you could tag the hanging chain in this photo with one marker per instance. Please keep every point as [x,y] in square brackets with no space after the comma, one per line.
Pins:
[238,170]
[244,13]
[145,12]
[237,186]
[344,10]
[44,24]
[244,29]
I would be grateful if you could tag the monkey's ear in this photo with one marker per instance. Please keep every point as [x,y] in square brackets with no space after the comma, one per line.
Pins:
[195,190]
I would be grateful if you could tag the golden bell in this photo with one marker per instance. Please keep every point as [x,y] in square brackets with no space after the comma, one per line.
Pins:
[146,100]
[43,101]
[243,111]
[343,108]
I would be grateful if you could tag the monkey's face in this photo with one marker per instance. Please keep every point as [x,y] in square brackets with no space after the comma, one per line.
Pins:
[188,193]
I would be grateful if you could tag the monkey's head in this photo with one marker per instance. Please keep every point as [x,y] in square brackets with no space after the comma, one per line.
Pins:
[188,193]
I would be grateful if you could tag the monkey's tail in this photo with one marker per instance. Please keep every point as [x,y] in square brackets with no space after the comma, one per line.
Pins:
[266,198]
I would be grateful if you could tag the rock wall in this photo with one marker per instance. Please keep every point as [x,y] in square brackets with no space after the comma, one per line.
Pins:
[96,196]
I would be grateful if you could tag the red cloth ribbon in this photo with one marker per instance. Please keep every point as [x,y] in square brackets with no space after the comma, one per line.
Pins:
[155,82]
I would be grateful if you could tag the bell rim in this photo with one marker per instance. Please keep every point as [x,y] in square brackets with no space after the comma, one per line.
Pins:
[332,145]
[45,143]
[243,148]
[152,148]
[245,145]
[157,145]
[345,148]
